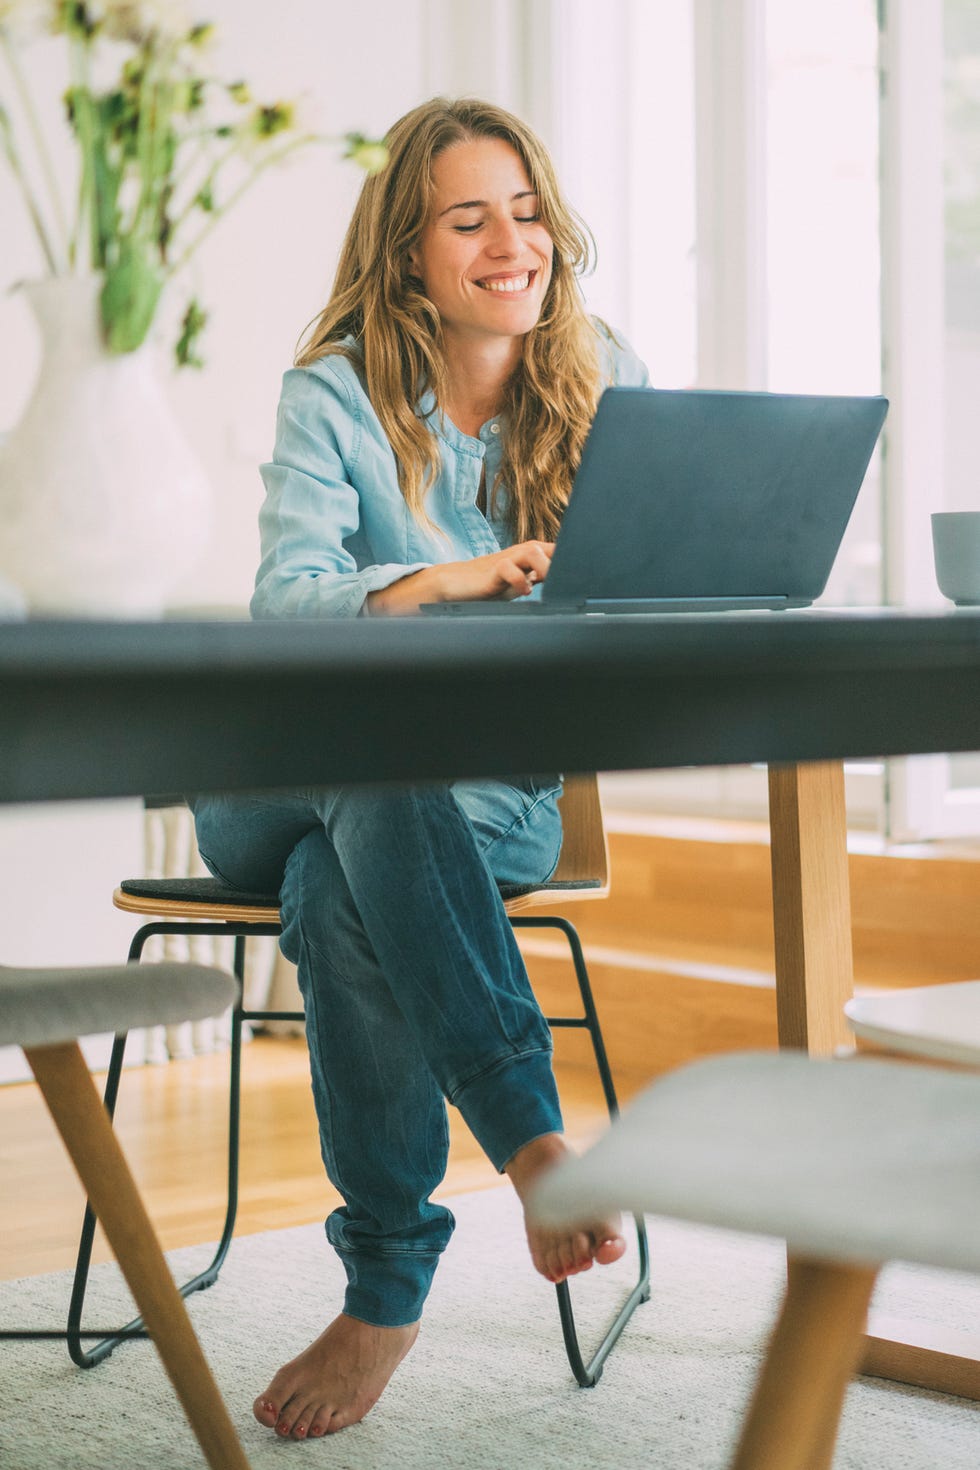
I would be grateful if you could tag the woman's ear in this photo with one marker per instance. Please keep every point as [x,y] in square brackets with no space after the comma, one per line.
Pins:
[413,276]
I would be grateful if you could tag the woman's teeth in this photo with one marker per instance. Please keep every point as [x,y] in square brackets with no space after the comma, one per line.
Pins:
[512,283]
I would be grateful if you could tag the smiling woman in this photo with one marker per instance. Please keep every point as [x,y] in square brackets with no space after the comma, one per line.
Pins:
[426,444]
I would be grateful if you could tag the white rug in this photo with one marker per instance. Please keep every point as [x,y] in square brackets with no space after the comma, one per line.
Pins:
[487,1386]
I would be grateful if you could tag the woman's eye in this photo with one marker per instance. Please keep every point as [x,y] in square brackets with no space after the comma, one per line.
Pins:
[519,219]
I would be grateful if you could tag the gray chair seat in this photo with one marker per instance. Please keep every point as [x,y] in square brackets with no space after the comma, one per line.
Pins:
[41,1007]
[853,1163]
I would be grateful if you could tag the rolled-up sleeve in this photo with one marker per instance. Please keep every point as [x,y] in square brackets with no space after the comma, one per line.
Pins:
[316,559]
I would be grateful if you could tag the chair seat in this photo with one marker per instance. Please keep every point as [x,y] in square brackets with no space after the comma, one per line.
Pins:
[941,1022]
[46,1007]
[211,891]
[859,1161]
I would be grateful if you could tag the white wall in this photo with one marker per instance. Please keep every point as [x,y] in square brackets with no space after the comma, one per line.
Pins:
[59,866]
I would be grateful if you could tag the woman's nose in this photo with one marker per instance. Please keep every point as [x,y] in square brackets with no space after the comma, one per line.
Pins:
[505,238]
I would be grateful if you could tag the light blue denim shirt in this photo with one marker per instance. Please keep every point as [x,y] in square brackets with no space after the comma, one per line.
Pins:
[335,525]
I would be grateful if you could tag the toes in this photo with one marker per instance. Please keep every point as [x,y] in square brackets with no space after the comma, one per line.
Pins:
[578,1254]
[266,1412]
[567,1255]
[609,1248]
[289,1417]
[295,1420]
[563,1257]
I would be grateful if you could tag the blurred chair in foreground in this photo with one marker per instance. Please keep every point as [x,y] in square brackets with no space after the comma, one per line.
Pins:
[853,1163]
[45,1011]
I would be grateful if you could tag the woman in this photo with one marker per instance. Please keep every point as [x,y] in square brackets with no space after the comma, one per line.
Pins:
[426,443]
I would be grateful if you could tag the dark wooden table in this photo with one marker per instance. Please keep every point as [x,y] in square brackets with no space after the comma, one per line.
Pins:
[98,710]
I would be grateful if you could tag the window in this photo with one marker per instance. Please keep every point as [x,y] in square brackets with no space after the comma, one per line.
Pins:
[725,153]
[932,340]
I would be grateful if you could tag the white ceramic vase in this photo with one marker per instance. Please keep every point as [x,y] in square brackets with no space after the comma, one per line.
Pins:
[104,507]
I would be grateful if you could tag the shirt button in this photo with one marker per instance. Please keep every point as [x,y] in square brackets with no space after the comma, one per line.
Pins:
[495,428]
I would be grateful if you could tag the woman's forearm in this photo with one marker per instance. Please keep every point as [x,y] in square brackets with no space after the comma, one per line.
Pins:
[404,597]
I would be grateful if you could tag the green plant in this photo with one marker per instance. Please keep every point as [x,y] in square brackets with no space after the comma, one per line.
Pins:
[164,150]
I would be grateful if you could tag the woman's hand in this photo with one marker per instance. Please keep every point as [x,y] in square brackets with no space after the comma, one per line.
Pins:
[498,577]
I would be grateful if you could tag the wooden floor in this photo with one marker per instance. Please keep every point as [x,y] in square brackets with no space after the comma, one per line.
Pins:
[173,1124]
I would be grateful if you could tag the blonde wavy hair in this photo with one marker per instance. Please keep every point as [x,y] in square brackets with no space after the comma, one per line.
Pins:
[551,397]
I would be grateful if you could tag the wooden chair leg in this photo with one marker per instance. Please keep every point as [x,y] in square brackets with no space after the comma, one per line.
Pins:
[813,1354]
[83,1123]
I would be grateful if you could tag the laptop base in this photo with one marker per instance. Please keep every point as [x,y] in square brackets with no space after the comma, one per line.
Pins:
[538,607]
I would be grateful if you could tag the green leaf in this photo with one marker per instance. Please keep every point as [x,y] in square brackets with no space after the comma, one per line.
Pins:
[193,323]
[370,154]
[129,297]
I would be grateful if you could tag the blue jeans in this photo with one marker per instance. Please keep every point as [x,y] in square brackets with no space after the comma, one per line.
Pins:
[415,991]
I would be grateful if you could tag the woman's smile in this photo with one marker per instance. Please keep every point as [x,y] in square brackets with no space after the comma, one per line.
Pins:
[507,284]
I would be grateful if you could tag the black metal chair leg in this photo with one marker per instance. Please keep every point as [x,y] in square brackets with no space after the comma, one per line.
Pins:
[587,1374]
[72,1334]
[109,1340]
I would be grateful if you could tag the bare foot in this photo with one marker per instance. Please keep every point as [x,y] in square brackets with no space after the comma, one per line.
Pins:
[335,1381]
[560,1253]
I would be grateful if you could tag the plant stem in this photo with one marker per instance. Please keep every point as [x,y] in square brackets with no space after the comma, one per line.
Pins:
[196,147]
[44,157]
[30,202]
[206,183]
[87,202]
[146,135]
[243,188]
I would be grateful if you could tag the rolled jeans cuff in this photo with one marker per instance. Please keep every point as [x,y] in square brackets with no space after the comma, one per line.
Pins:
[510,1104]
[387,1288]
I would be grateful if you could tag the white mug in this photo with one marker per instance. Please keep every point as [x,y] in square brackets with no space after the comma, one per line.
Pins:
[956,549]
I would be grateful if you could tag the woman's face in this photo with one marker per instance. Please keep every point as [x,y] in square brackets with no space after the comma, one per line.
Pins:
[484,257]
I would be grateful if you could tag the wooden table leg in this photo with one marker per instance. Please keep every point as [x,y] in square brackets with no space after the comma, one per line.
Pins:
[814,977]
[84,1126]
[811,905]
[814,1350]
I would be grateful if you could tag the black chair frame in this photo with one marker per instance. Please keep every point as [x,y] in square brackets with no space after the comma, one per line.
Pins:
[586,1373]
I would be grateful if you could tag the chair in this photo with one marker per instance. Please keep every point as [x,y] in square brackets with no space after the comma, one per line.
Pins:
[853,1163]
[936,1022]
[207,906]
[45,1011]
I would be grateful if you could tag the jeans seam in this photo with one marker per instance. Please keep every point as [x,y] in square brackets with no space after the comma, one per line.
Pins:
[334,1171]
[322,954]
[454,918]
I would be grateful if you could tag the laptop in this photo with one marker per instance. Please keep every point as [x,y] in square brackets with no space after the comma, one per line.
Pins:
[703,501]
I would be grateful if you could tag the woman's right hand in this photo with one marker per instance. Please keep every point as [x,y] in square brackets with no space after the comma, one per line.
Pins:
[501,576]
